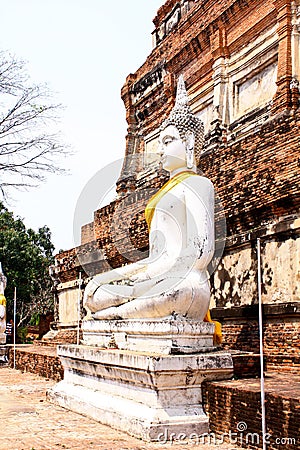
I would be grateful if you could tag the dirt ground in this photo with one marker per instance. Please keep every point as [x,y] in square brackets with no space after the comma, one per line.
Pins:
[29,422]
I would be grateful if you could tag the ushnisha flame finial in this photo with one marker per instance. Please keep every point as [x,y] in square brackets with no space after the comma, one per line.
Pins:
[184,120]
[181,94]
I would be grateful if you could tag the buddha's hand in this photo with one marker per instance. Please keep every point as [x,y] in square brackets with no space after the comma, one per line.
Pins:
[89,291]
[2,312]
[140,277]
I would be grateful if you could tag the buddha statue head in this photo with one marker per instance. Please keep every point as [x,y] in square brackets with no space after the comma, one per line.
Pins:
[189,128]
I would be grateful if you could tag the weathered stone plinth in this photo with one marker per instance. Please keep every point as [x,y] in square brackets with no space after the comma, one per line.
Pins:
[174,335]
[3,348]
[146,395]
[3,354]
[2,338]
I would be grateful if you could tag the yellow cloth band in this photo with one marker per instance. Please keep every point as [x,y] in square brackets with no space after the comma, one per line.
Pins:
[218,328]
[2,300]
[151,205]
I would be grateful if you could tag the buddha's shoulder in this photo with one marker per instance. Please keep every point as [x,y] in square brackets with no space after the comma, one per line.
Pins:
[199,182]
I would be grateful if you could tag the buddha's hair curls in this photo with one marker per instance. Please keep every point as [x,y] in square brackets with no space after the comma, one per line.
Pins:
[184,120]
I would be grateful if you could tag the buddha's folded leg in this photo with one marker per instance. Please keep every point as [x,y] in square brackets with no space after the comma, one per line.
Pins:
[175,296]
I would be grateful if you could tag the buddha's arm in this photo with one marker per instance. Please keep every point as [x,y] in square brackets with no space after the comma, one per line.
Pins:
[121,273]
[199,200]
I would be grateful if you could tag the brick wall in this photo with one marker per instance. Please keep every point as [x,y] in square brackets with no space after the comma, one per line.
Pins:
[38,360]
[61,336]
[281,342]
[210,29]
[281,333]
[257,178]
[238,402]
[87,233]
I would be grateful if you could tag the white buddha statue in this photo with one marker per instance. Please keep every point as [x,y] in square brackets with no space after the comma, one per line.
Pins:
[174,278]
[3,281]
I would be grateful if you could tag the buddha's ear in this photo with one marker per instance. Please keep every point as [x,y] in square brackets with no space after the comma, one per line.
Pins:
[189,140]
[189,147]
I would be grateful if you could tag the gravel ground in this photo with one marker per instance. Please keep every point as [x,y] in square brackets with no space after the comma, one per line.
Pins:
[29,422]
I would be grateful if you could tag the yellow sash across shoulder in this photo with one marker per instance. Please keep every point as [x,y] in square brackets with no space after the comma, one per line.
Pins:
[151,205]
[2,300]
[149,212]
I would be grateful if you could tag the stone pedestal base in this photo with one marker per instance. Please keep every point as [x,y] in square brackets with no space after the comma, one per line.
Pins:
[164,336]
[148,396]
[3,354]
[2,338]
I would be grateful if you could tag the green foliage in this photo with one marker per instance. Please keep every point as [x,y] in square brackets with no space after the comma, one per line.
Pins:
[26,256]
[22,333]
[35,319]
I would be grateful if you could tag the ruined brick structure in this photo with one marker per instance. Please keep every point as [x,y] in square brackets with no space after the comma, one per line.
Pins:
[240,60]
[234,407]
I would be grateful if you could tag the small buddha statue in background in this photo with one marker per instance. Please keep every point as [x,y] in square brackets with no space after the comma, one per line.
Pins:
[3,281]
[180,216]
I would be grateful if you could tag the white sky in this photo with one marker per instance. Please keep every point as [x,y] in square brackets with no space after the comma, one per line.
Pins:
[83,49]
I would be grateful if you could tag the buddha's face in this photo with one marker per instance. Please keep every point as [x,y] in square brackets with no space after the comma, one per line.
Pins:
[172,149]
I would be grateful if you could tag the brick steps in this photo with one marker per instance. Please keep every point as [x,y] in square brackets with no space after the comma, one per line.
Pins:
[233,404]
[41,360]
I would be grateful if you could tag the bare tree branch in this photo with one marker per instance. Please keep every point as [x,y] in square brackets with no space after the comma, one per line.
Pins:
[28,148]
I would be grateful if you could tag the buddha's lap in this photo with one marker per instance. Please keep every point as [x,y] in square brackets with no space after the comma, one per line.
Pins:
[178,291]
